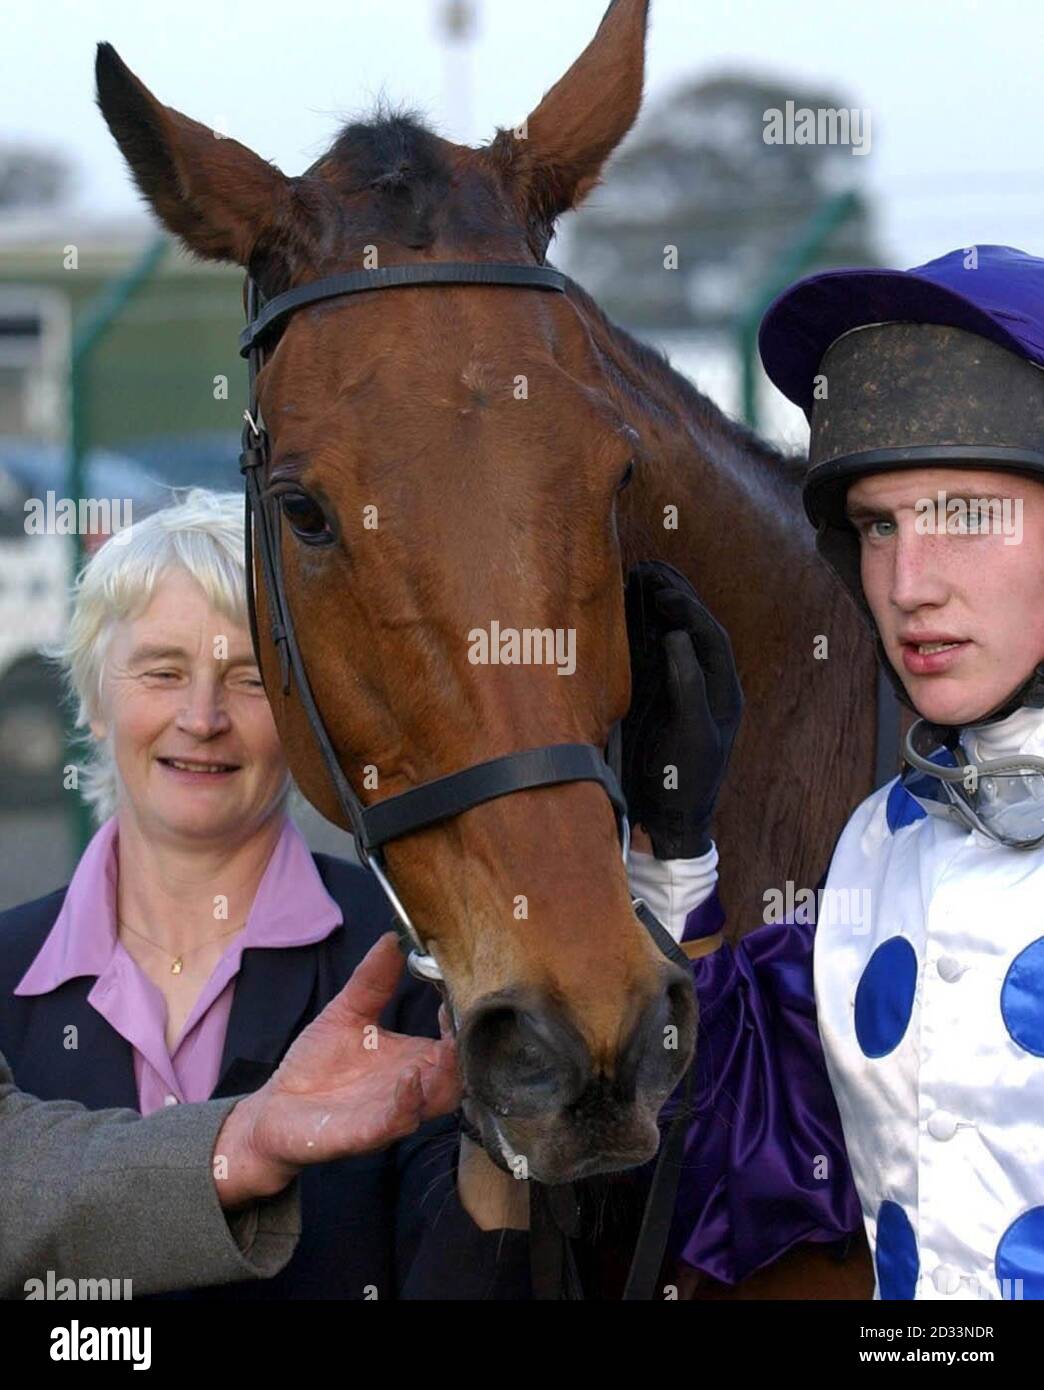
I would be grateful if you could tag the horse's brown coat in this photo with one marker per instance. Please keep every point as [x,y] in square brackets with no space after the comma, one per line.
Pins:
[491,431]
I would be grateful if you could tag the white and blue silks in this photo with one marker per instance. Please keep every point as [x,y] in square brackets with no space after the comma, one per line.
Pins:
[888,1057]
[929,984]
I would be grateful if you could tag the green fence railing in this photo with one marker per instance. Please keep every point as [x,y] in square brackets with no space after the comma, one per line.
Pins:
[797,258]
[97,319]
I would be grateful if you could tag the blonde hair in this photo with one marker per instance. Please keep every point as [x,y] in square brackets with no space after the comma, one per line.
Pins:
[203,534]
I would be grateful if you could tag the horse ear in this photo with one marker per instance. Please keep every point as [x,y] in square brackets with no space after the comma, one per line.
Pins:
[211,191]
[567,139]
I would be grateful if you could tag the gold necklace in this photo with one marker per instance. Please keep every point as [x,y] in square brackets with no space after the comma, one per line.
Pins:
[178,961]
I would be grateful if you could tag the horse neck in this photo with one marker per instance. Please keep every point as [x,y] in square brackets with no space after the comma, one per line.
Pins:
[807,739]
[737,498]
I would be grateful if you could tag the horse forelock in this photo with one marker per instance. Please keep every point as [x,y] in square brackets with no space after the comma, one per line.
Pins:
[388,180]
[392,152]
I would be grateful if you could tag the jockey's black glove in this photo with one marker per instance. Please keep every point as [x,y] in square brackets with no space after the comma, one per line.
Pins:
[686,704]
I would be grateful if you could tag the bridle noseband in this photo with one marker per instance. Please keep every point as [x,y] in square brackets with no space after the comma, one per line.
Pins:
[445,797]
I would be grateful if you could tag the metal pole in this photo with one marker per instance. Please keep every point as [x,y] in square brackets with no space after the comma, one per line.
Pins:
[458,22]
[806,246]
[88,332]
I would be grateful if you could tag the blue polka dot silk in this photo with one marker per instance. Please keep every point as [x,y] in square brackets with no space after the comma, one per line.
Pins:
[1022,1000]
[895,1254]
[1020,1257]
[884,997]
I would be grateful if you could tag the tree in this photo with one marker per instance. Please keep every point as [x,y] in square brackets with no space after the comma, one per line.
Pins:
[698,174]
[32,176]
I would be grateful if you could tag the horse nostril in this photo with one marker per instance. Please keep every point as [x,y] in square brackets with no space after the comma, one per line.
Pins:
[522,1061]
[661,1044]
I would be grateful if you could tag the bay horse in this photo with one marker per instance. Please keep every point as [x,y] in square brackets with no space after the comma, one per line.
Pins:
[475,456]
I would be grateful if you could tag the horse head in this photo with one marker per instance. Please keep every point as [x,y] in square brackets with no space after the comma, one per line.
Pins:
[448,461]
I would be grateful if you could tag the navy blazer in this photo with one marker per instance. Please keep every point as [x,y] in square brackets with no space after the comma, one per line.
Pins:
[386,1225]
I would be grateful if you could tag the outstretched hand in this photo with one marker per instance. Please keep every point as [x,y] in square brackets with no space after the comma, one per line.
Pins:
[346,1086]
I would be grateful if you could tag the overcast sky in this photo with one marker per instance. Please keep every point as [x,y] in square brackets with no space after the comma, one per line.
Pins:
[952,86]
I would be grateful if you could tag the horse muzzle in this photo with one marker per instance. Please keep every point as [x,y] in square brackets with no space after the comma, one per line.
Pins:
[545,1108]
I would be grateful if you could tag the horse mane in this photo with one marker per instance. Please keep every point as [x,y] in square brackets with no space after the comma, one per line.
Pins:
[658,386]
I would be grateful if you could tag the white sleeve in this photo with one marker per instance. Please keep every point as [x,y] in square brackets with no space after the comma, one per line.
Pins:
[672,887]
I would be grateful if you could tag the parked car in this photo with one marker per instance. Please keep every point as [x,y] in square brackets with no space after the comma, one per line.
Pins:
[207,459]
[35,570]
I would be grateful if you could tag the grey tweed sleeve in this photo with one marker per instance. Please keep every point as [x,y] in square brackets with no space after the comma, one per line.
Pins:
[108,1194]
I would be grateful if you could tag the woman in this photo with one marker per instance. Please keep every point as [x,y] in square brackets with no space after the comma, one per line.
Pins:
[199,935]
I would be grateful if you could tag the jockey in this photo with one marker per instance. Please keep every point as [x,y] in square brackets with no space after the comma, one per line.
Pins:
[925,395]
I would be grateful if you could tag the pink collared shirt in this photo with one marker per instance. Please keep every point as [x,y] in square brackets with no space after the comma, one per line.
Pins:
[291,908]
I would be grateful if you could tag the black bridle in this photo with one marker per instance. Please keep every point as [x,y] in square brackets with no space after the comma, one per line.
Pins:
[444,797]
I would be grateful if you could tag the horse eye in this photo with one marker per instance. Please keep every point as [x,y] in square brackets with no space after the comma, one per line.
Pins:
[305,517]
[628,475]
